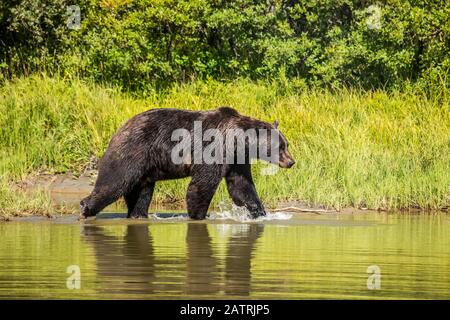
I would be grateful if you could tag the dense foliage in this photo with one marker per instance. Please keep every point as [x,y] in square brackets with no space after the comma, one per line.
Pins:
[135,43]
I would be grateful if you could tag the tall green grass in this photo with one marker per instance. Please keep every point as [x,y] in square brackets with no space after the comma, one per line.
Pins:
[374,149]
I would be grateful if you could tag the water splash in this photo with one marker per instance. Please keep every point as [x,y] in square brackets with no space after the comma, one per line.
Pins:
[241,214]
[171,217]
[226,212]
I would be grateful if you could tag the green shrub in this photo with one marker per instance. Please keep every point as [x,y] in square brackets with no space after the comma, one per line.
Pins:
[140,43]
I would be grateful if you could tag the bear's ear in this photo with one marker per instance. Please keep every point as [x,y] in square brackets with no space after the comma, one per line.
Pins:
[275,124]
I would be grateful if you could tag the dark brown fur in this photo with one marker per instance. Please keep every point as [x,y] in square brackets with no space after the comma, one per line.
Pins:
[139,154]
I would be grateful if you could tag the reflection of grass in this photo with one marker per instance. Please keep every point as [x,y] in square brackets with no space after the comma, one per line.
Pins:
[289,261]
[411,251]
[35,257]
[353,148]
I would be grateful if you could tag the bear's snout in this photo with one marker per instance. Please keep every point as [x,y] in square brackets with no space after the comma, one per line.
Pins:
[290,163]
[286,160]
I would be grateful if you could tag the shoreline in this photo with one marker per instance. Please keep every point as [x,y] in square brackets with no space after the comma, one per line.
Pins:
[164,216]
[66,190]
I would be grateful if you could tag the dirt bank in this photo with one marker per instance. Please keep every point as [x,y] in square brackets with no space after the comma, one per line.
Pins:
[67,190]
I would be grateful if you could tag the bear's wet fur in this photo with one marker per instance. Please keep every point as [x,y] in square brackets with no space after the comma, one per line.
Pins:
[139,154]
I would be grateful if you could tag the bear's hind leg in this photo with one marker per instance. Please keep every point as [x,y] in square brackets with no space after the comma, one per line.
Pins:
[138,200]
[200,192]
[98,200]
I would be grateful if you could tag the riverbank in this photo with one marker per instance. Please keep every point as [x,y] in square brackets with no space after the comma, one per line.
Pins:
[60,195]
[362,149]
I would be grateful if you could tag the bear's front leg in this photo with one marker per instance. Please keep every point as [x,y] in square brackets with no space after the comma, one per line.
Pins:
[242,189]
[201,190]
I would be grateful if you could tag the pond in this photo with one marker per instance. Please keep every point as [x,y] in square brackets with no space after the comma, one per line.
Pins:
[343,256]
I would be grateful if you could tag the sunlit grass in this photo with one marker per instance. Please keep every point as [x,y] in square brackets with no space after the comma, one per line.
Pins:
[371,149]
[16,203]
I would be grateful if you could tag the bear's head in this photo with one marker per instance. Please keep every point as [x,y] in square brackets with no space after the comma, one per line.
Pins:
[246,139]
[278,148]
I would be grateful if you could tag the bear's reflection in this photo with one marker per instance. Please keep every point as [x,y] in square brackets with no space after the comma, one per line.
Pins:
[202,271]
[123,265]
[204,275]
[129,265]
[238,260]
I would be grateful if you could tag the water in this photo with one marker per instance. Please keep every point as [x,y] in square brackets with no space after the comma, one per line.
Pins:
[284,257]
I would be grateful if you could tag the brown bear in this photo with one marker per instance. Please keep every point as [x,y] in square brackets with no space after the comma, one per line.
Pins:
[146,149]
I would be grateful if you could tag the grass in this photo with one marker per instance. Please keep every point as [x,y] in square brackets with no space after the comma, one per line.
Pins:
[373,149]
[13,203]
